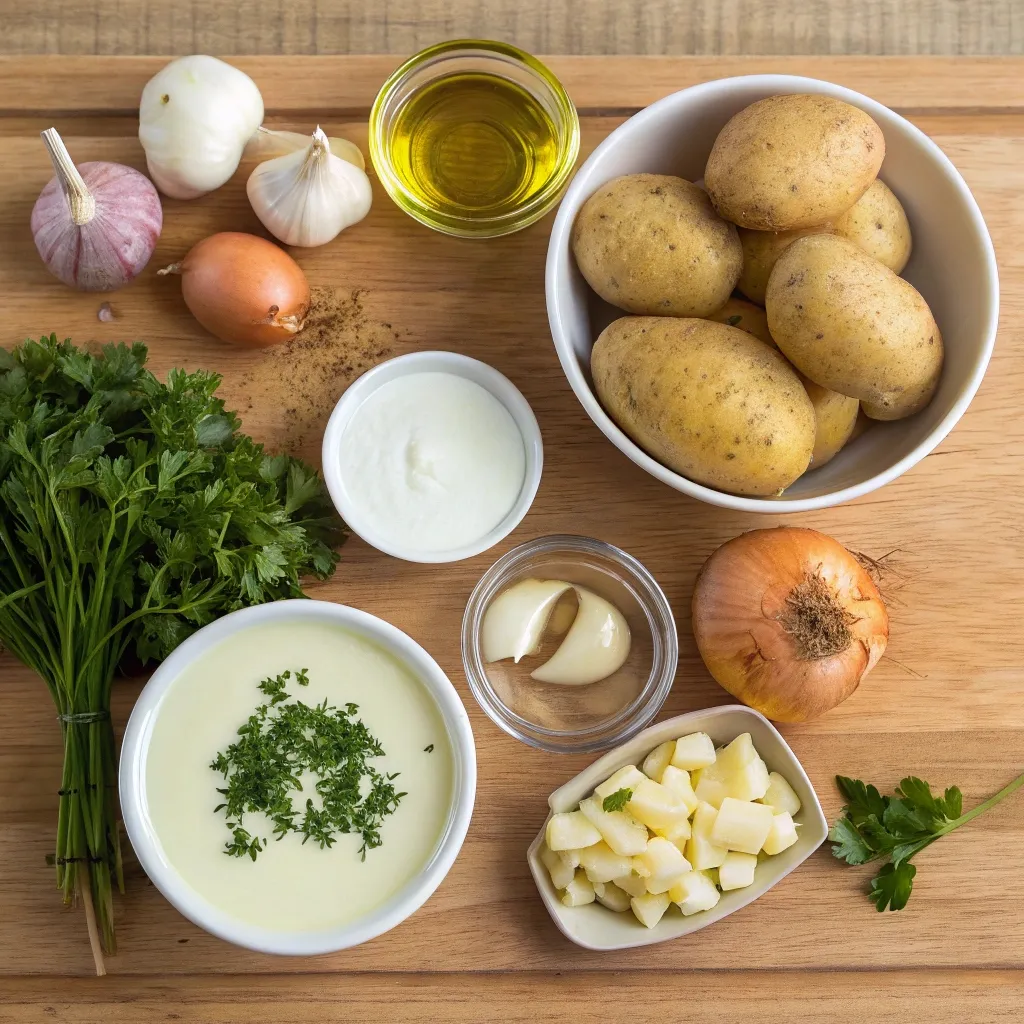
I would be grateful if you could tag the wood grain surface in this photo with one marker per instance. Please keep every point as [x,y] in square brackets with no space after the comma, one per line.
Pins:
[541,26]
[946,703]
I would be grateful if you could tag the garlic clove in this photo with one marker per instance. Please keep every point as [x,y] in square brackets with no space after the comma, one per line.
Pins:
[307,197]
[596,645]
[268,143]
[515,620]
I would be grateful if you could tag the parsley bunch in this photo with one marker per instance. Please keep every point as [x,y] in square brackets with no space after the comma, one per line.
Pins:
[132,512]
[285,739]
[875,827]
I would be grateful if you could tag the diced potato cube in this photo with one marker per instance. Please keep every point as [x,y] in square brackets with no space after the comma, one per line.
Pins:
[602,864]
[560,872]
[650,909]
[571,831]
[782,835]
[621,831]
[694,892]
[694,751]
[741,826]
[656,807]
[632,883]
[571,857]
[624,778]
[614,898]
[749,782]
[701,852]
[579,892]
[737,871]
[713,785]
[664,864]
[737,754]
[677,781]
[657,760]
[780,795]
[676,833]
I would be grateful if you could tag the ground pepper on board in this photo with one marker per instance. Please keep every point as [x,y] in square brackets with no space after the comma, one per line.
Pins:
[293,387]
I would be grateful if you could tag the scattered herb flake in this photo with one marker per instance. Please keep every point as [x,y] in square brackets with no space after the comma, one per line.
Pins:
[617,801]
[284,739]
[429,749]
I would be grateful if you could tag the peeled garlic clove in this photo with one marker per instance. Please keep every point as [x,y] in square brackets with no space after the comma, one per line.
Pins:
[308,196]
[515,620]
[267,143]
[596,645]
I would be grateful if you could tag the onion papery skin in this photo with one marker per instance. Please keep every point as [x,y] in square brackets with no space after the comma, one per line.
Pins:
[244,289]
[743,621]
[116,244]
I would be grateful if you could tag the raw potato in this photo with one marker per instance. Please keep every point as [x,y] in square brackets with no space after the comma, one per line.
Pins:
[621,831]
[561,873]
[706,400]
[694,751]
[652,243]
[602,864]
[741,826]
[877,223]
[570,831]
[611,896]
[781,796]
[746,317]
[793,161]
[851,325]
[650,909]
[835,416]
[625,778]
[677,780]
[761,250]
[579,892]
[737,871]
[658,758]
[695,892]
[782,835]
[701,852]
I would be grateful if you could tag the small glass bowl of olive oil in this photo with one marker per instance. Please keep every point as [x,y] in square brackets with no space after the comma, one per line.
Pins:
[474,138]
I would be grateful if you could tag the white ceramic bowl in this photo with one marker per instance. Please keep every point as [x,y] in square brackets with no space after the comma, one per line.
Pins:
[953,266]
[408,899]
[432,362]
[596,927]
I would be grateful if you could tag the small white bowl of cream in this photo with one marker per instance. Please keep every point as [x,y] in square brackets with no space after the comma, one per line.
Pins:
[432,457]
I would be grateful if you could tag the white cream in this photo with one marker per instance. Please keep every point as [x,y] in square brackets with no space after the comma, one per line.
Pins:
[431,462]
[291,886]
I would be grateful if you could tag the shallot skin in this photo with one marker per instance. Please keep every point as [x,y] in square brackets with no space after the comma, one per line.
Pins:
[116,244]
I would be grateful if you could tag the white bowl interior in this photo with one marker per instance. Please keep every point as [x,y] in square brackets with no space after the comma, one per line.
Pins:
[952,265]
[596,927]
[433,362]
[146,843]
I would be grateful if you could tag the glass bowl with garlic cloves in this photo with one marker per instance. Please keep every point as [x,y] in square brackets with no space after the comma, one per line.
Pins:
[569,644]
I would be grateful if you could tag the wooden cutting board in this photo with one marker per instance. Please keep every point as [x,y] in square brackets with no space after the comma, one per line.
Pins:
[946,703]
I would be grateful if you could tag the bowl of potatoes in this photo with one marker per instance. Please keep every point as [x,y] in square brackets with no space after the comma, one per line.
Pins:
[772,293]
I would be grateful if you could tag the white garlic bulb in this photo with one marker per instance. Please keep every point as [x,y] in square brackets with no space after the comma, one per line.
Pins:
[195,118]
[270,142]
[308,196]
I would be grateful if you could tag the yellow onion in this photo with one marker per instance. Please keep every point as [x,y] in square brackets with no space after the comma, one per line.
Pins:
[243,289]
[788,621]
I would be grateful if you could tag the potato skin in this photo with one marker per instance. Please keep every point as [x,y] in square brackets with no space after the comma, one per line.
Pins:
[706,400]
[851,325]
[835,416]
[793,161]
[745,316]
[760,251]
[652,243]
[877,223]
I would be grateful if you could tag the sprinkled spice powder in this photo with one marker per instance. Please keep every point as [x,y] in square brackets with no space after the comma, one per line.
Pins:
[295,385]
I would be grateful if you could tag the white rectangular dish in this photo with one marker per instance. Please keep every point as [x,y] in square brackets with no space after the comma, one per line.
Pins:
[594,926]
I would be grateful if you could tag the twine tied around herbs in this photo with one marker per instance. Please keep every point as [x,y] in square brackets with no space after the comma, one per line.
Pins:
[84,717]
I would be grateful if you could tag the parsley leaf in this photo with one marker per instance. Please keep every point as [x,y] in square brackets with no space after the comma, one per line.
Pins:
[897,828]
[617,801]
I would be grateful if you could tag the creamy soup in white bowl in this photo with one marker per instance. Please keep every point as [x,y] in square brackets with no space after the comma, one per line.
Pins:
[298,777]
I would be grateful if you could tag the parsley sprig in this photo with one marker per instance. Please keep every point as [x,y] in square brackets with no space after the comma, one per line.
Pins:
[133,511]
[283,740]
[876,827]
[617,801]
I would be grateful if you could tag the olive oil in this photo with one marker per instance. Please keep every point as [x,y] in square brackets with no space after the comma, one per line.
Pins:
[474,145]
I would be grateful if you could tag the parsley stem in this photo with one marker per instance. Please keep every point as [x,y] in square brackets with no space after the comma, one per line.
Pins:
[982,807]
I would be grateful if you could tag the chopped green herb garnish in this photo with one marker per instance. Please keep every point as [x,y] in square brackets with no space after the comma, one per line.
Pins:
[284,739]
[617,801]
[875,827]
[428,749]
